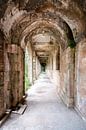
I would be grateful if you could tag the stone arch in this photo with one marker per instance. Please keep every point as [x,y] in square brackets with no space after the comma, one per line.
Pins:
[54,9]
[62,29]
[64,33]
[65,19]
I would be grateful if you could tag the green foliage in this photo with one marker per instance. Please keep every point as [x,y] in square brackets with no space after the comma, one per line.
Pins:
[27,82]
[71,43]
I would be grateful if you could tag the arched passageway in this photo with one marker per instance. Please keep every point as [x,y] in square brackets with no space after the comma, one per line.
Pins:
[43,36]
[45,110]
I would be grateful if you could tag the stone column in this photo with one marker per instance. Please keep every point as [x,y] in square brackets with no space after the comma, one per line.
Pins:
[14,75]
[12,53]
[7,75]
[2,105]
[21,63]
[34,66]
[67,76]
[38,67]
[56,78]
[30,63]
[50,68]
[80,78]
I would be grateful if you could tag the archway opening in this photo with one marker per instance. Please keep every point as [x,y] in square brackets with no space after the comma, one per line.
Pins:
[43,67]
[27,80]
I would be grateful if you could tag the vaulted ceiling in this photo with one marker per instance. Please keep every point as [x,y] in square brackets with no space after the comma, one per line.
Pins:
[44,23]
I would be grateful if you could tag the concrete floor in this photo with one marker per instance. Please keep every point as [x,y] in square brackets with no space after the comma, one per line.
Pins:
[45,111]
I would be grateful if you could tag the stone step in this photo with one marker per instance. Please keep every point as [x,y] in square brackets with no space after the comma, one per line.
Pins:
[21,110]
[7,114]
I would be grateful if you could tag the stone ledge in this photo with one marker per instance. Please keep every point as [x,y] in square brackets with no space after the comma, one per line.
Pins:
[6,115]
[21,109]
[68,101]
[80,114]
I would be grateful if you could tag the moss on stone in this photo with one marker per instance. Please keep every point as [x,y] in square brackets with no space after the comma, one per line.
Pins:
[71,43]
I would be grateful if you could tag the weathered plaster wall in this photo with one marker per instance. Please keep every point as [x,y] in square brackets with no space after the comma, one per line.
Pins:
[51,69]
[17,20]
[2,106]
[67,76]
[30,64]
[56,76]
[14,75]
[7,77]
[21,73]
[34,65]
[80,78]
[38,67]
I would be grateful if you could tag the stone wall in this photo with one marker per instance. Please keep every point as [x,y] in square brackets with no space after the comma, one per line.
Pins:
[49,67]
[56,76]
[21,73]
[30,75]
[34,65]
[80,78]
[38,67]
[67,76]
[14,75]
[2,105]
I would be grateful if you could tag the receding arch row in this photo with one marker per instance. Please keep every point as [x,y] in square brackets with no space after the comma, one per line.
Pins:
[58,33]
[74,21]
[59,25]
[66,22]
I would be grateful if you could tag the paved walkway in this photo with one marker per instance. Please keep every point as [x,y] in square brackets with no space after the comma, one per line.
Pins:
[45,111]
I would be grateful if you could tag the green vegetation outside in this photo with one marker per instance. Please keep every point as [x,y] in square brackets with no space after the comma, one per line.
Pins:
[27,82]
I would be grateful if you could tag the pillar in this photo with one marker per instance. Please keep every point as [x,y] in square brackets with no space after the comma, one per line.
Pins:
[49,68]
[14,75]
[56,76]
[80,78]
[67,76]
[2,105]
[30,64]
[34,65]
[21,71]
[38,67]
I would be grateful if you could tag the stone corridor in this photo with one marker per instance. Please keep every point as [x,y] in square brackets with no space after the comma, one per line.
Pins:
[43,36]
[45,110]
